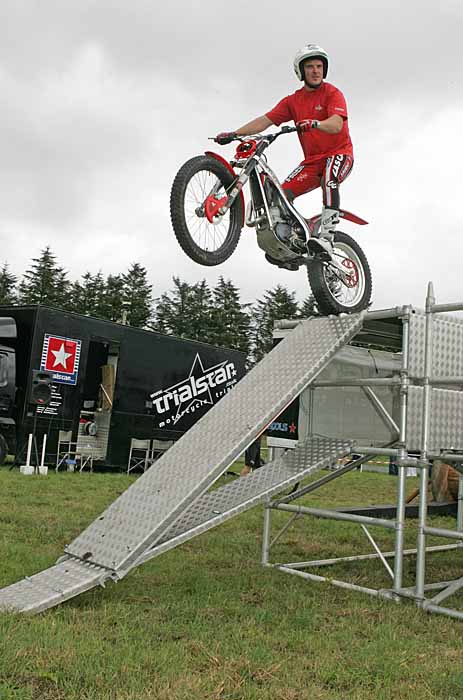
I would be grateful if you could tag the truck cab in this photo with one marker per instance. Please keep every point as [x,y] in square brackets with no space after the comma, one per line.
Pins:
[8,336]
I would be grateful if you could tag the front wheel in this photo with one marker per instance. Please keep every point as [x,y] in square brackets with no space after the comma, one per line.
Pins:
[206,242]
[334,292]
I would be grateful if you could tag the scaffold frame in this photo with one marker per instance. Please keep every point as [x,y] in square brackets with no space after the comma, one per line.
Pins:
[432,371]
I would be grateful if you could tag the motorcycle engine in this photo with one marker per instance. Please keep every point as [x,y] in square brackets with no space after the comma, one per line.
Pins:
[283,231]
[282,225]
[281,242]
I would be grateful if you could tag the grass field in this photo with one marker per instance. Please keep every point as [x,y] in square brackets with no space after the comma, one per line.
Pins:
[206,621]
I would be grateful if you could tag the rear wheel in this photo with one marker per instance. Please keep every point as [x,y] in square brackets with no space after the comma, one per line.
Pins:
[334,292]
[206,242]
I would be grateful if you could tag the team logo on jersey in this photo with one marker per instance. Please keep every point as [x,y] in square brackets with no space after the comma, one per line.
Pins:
[318,108]
[202,387]
[61,357]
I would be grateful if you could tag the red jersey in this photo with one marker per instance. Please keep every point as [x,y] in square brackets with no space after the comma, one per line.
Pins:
[317,104]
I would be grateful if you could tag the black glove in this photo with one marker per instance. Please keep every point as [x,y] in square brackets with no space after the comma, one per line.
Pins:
[225,137]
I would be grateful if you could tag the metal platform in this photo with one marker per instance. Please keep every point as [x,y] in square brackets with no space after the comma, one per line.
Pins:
[52,586]
[217,506]
[146,513]
[71,577]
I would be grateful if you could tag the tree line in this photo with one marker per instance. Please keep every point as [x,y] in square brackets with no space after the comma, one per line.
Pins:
[197,311]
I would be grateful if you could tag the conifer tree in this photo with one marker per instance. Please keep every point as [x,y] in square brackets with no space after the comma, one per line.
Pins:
[137,296]
[276,304]
[112,302]
[309,307]
[200,314]
[231,322]
[8,283]
[88,296]
[185,311]
[45,282]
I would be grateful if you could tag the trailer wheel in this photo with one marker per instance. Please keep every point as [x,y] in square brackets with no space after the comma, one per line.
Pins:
[3,449]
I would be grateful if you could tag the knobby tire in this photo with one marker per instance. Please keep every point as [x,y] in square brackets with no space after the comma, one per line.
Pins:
[184,236]
[327,303]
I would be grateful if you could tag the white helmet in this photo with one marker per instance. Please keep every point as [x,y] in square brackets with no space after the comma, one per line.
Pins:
[310,51]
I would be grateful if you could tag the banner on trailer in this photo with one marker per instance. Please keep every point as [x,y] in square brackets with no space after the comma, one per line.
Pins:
[283,432]
[196,392]
[61,357]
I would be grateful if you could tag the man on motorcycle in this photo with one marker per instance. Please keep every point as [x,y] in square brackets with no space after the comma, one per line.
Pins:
[319,111]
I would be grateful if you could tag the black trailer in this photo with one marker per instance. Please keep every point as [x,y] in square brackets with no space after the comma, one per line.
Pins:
[104,382]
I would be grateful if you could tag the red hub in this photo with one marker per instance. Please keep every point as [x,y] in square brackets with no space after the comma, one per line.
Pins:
[212,206]
[353,279]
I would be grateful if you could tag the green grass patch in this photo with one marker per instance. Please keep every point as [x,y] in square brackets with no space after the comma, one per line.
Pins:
[206,621]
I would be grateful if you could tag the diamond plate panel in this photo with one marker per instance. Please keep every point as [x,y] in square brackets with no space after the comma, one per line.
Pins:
[51,587]
[446,419]
[71,577]
[220,505]
[138,518]
[447,355]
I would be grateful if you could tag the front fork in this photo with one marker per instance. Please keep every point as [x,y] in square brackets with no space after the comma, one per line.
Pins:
[238,185]
[215,209]
[201,210]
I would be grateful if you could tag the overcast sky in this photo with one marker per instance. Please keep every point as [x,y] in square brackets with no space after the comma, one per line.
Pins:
[103,102]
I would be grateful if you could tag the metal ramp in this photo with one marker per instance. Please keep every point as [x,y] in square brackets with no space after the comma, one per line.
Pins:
[128,530]
[51,587]
[70,577]
[215,507]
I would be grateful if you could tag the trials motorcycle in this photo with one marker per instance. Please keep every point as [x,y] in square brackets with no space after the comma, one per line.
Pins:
[208,212]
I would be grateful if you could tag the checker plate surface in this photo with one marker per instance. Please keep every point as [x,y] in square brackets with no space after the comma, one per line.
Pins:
[51,586]
[447,341]
[446,419]
[217,506]
[141,515]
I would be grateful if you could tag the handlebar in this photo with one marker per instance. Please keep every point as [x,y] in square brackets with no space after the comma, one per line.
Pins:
[270,138]
[276,134]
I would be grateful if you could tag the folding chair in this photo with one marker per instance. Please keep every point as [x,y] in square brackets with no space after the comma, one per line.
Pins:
[139,455]
[86,455]
[67,449]
[158,447]
[70,452]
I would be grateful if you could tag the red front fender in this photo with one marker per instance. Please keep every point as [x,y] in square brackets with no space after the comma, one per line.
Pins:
[230,169]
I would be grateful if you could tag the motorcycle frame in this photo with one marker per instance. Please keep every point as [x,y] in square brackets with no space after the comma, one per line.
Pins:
[262,167]
[257,162]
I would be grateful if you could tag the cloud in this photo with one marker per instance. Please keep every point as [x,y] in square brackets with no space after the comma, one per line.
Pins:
[104,101]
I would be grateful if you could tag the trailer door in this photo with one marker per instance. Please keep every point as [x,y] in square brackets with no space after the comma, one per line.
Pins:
[97,397]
